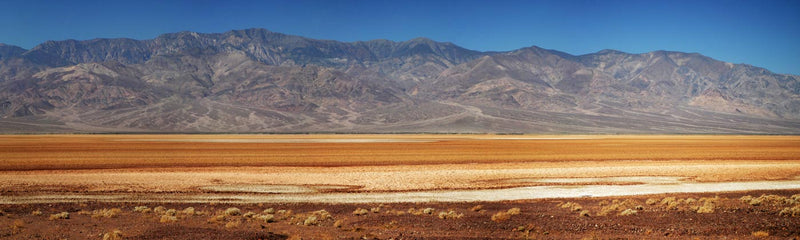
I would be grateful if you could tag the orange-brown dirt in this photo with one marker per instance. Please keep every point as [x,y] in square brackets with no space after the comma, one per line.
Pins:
[293,165]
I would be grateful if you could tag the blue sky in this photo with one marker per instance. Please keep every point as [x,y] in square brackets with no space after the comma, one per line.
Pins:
[762,33]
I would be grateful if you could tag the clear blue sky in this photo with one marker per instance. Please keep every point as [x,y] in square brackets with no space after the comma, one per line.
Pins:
[764,33]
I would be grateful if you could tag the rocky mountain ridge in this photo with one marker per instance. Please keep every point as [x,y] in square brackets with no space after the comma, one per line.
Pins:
[255,80]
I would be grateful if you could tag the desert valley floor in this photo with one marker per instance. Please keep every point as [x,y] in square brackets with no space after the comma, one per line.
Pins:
[399,186]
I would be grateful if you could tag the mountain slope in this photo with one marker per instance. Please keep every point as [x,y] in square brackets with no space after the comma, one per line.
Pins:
[255,80]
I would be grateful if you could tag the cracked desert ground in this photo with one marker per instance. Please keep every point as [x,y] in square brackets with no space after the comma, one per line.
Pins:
[393,174]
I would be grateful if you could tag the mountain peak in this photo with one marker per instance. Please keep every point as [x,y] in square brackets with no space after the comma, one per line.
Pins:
[9,51]
[421,40]
[610,51]
[255,80]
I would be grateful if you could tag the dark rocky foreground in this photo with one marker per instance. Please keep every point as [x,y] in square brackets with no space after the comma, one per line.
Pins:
[743,215]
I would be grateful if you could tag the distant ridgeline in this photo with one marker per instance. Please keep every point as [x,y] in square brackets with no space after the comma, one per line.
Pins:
[257,81]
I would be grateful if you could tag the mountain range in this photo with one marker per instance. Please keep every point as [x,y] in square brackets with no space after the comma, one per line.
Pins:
[257,81]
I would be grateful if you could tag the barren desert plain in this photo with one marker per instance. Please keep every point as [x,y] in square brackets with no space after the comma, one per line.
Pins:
[466,186]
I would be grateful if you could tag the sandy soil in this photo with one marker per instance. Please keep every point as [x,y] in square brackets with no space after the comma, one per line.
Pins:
[343,172]
[445,182]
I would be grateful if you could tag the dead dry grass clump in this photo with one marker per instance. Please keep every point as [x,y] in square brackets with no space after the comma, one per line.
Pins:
[418,212]
[142,209]
[395,212]
[771,200]
[36,212]
[619,206]
[217,218]
[314,218]
[283,214]
[585,213]
[249,215]
[171,212]
[269,211]
[230,214]
[428,211]
[575,207]
[708,205]
[61,215]
[375,209]
[317,217]
[702,205]
[477,208]
[360,212]
[706,208]
[791,211]
[106,213]
[311,221]
[671,203]
[233,212]
[233,224]
[452,215]
[323,214]
[338,224]
[168,219]
[113,235]
[267,218]
[189,211]
[414,211]
[628,212]
[159,210]
[505,215]
[760,234]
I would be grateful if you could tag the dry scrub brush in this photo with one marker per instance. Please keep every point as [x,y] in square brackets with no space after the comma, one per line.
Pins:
[61,215]
[267,218]
[760,234]
[477,208]
[418,212]
[228,215]
[790,206]
[106,213]
[159,210]
[233,212]
[317,217]
[360,212]
[394,212]
[791,211]
[142,209]
[703,205]
[113,235]
[168,219]
[575,207]
[771,200]
[233,224]
[189,211]
[623,208]
[585,213]
[505,215]
[450,215]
